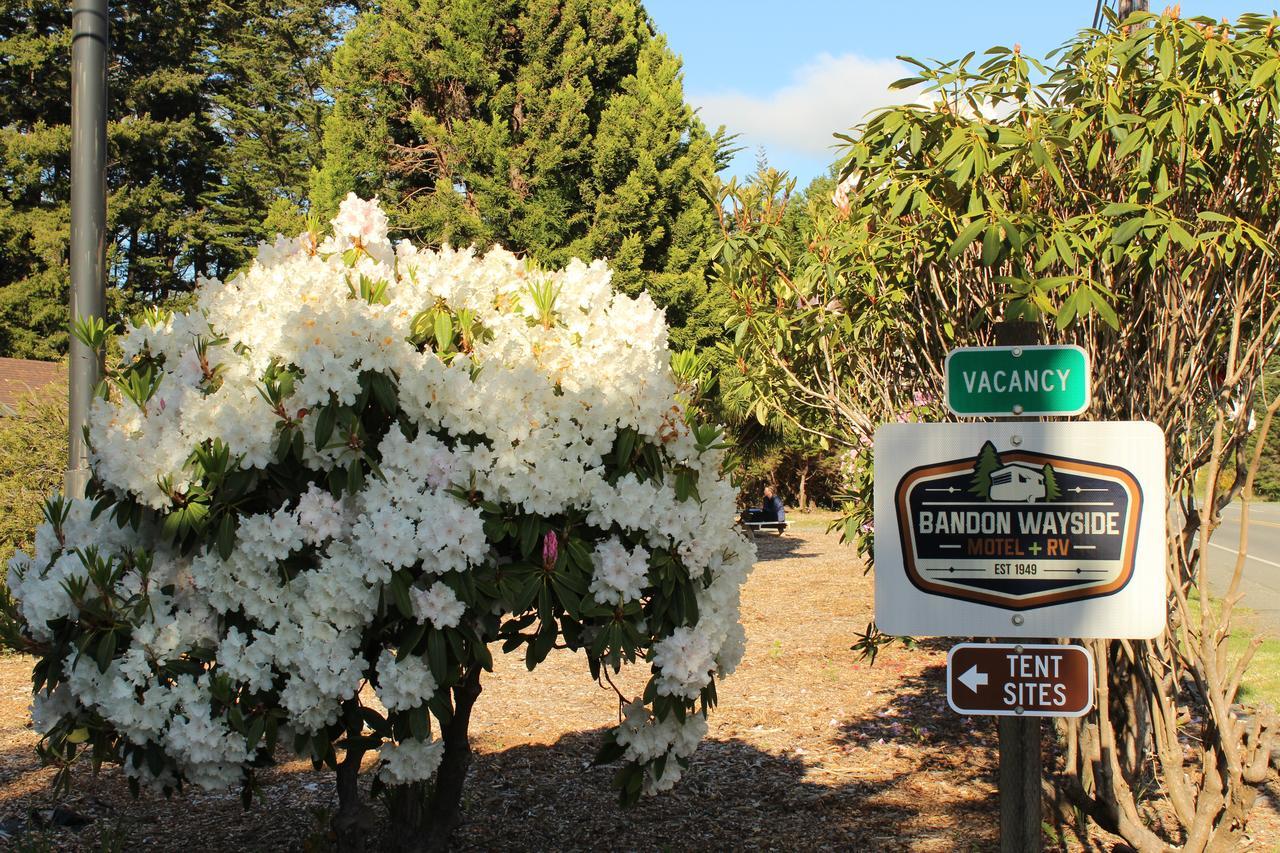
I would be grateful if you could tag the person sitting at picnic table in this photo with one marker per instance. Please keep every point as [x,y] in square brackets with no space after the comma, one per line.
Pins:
[771,511]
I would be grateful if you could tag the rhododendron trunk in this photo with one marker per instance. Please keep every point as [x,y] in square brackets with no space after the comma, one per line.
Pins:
[353,821]
[446,802]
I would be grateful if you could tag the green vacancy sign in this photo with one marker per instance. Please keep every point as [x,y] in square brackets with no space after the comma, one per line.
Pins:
[1027,380]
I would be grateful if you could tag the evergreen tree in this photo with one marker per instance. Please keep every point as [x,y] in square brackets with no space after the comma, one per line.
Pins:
[553,127]
[212,113]
[269,106]
[1051,489]
[987,462]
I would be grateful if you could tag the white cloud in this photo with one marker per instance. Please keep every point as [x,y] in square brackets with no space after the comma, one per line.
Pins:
[829,94]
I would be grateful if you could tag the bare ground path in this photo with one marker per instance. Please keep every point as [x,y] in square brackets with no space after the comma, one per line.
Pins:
[809,750]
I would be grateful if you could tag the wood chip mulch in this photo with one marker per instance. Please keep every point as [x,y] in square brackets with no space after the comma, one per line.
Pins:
[809,749]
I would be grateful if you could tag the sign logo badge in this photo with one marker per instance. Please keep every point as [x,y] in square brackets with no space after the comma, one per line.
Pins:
[1018,529]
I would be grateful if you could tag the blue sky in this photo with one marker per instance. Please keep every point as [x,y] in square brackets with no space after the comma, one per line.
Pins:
[785,75]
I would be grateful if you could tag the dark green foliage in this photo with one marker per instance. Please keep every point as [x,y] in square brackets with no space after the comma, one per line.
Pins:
[33,459]
[212,124]
[557,129]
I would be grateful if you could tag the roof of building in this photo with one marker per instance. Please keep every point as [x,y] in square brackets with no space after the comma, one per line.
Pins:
[20,376]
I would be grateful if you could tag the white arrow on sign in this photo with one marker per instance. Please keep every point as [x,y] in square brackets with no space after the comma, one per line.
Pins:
[974,679]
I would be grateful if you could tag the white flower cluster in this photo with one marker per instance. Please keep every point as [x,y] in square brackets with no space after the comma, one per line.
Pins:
[619,574]
[403,684]
[646,740]
[410,760]
[524,416]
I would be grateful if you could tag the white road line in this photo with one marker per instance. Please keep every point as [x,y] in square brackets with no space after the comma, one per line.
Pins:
[1247,556]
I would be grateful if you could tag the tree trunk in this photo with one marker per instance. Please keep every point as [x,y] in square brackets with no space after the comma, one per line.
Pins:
[353,822]
[407,827]
[446,805]
[424,815]
[802,498]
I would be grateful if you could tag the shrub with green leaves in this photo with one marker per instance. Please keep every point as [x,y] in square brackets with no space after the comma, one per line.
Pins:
[360,464]
[1123,195]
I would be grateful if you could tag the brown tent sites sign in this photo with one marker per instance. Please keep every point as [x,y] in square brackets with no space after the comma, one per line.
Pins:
[1002,679]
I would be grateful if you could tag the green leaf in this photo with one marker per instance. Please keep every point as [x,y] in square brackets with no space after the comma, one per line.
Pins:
[355,475]
[437,656]
[1126,231]
[1122,209]
[256,730]
[1104,309]
[226,535]
[906,83]
[1095,151]
[419,724]
[411,640]
[106,650]
[325,421]
[444,332]
[384,391]
[530,527]
[991,245]
[610,750]
[400,594]
[1264,73]
[967,236]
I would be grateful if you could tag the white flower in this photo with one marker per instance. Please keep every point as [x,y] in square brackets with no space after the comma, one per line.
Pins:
[410,761]
[619,574]
[437,605]
[403,684]
[360,221]
[685,661]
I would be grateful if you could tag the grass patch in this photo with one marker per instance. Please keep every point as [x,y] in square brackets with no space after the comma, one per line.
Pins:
[816,520]
[1261,685]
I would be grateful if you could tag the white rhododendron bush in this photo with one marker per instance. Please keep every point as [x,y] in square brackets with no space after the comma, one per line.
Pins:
[359,464]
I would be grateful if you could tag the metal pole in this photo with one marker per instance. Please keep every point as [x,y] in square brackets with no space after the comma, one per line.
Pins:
[90,42]
[1020,764]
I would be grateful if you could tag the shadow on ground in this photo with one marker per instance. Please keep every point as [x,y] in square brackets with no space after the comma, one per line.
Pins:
[734,797]
[528,798]
[771,546]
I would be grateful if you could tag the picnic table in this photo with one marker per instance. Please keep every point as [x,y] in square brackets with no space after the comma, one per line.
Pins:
[754,526]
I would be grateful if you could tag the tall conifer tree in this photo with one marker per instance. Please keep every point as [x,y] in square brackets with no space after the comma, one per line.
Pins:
[212,124]
[553,127]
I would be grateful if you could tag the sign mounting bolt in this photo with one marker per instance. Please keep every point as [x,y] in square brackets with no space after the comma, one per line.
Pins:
[1018,619]
[1015,440]
[1019,710]
[1017,352]
[1017,408]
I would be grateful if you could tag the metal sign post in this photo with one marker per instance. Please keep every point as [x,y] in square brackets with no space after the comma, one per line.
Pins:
[1020,530]
[90,42]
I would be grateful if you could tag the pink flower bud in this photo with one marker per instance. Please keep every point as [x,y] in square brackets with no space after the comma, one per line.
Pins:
[550,549]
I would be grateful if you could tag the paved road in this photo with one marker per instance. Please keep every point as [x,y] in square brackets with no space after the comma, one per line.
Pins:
[1261,582]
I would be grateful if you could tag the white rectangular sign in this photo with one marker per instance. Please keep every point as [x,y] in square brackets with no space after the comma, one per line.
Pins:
[1020,529]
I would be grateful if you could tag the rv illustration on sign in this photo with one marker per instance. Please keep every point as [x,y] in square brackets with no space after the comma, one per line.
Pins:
[1017,482]
[1018,529]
